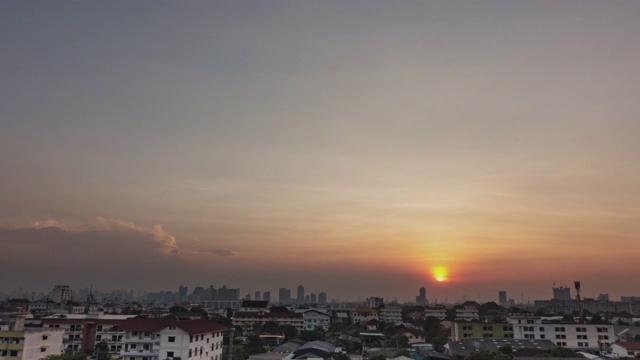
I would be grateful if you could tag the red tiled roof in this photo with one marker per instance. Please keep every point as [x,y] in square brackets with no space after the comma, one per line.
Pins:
[199,326]
[140,323]
[629,345]
[364,310]
[193,327]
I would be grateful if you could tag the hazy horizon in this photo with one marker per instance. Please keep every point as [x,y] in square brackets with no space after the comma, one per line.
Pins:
[361,147]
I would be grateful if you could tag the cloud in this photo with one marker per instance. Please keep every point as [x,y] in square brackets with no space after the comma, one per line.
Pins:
[45,223]
[219,252]
[167,241]
[123,253]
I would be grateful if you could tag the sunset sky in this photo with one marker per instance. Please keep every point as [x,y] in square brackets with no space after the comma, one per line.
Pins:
[349,146]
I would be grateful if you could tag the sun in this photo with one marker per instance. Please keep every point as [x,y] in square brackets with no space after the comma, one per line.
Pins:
[439,273]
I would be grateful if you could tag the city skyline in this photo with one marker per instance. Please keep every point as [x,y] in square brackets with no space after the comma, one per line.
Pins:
[464,148]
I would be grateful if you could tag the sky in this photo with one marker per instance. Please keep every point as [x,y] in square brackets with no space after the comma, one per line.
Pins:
[361,148]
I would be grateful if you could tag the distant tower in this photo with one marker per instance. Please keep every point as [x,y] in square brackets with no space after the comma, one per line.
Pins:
[502,297]
[284,296]
[322,298]
[313,298]
[422,298]
[300,294]
[562,293]
[266,296]
[257,296]
[577,285]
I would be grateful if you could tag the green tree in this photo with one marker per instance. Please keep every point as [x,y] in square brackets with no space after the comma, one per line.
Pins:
[402,341]
[507,349]
[596,319]
[562,352]
[255,345]
[278,309]
[102,351]
[337,356]
[312,335]
[289,331]
[66,356]
[434,332]
[402,352]
[486,355]
[270,327]
[378,357]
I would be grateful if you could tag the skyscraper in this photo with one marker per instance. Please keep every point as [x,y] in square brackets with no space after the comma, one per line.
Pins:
[422,298]
[300,295]
[257,296]
[502,297]
[266,296]
[284,296]
[322,298]
[313,298]
[183,291]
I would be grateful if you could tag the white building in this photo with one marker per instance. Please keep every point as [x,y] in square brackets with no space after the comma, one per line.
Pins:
[167,338]
[391,314]
[61,293]
[18,342]
[625,349]
[574,336]
[247,319]
[363,315]
[467,313]
[437,311]
[316,318]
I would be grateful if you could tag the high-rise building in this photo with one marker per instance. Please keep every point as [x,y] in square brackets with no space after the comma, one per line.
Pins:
[562,293]
[182,290]
[257,296]
[422,298]
[502,297]
[225,293]
[300,295]
[284,296]
[61,293]
[322,298]
[313,298]
[374,302]
[266,296]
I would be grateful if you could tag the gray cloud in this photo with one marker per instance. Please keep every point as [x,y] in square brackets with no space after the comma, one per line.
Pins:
[219,252]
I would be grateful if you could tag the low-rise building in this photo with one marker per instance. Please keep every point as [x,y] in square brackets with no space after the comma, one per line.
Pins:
[168,338]
[316,319]
[437,311]
[620,349]
[467,313]
[478,330]
[363,314]
[247,319]
[391,314]
[18,342]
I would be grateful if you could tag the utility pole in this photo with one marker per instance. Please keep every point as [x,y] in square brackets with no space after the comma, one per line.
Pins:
[231,331]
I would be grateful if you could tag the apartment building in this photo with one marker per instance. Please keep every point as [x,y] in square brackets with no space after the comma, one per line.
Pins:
[83,331]
[437,311]
[477,330]
[570,335]
[363,315]
[247,319]
[18,342]
[168,338]
[315,318]
[391,314]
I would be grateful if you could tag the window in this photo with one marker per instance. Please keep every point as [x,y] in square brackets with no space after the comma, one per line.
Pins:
[541,329]
[560,343]
[13,353]
[529,336]
[582,337]
[507,328]
[560,329]
[172,339]
[170,354]
[561,336]
[191,338]
[172,327]
[98,337]
[43,349]
[467,328]
[581,329]
[528,328]
[487,328]
[189,352]
[487,336]
[134,333]
[99,328]
[530,322]
[541,336]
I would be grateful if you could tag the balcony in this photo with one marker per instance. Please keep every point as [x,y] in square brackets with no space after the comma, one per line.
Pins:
[139,352]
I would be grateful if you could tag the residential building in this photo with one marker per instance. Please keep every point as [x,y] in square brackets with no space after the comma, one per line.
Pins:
[313,298]
[18,342]
[315,318]
[467,347]
[363,314]
[477,330]
[61,293]
[259,306]
[621,349]
[266,296]
[571,335]
[83,331]
[391,314]
[415,336]
[168,338]
[213,305]
[374,302]
[437,311]
[257,296]
[225,293]
[247,319]
[467,313]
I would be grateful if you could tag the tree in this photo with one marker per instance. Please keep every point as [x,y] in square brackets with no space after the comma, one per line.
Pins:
[434,332]
[402,352]
[278,309]
[255,345]
[336,326]
[561,352]
[289,331]
[270,327]
[178,310]
[596,319]
[507,349]
[66,356]
[102,351]
[486,355]
[312,335]
[337,356]
[402,341]
[378,357]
